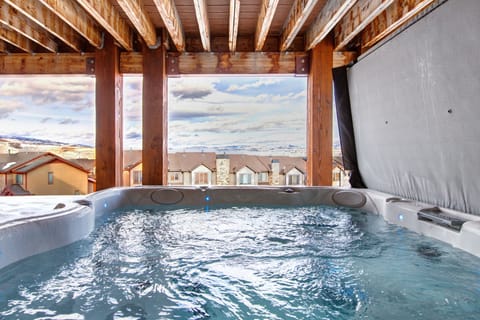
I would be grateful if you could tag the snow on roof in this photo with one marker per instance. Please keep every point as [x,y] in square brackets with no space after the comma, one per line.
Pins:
[8,165]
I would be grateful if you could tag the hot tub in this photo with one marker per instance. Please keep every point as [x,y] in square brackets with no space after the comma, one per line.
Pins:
[30,225]
[307,252]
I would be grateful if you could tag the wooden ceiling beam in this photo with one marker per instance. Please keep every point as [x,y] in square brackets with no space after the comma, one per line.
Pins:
[19,23]
[73,15]
[361,14]
[172,22]
[203,23]
[49,21]
[299,13]
[343,58]
[331,13]
[16,39]
[109,18]
[396,15]
[140,20]
[47,63]
[186,63]
[233,24]
[267,11]
[207,63]
[233,63]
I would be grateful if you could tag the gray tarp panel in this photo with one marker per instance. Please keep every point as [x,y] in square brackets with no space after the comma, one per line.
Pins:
[416,110]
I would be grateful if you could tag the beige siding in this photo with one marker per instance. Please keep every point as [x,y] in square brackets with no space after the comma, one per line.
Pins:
[66,180]
[126,178]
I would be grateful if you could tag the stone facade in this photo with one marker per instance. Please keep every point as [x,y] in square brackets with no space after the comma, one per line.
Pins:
[223,171]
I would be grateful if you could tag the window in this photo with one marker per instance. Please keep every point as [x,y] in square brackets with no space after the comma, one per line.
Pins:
[293,179]
[200,178]
[175,177]
[50,177]
[263,177]
[201,175]
[137,177]
[245,178]
[19,179]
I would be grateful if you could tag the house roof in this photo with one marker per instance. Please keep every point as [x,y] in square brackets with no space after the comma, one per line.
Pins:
[87,164]
[255,163]
[9,162]
[288,163]
[131,159]
[187,161]
[14,190]
[24,162]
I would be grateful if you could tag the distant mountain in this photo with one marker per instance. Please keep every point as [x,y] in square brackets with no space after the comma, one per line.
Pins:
[15,144]
[29,140]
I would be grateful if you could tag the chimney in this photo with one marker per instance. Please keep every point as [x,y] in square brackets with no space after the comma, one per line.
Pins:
[223,170]
[275,172]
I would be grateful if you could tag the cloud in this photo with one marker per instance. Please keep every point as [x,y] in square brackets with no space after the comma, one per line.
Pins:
[192,115]
[134,83]
[191,93]
[192,88]
[71,92]
[68,121]
[133,135]
[82,107]
[9,107]
[256,84]
[45,120]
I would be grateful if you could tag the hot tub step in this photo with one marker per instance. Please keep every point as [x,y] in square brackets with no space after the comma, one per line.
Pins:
[435,215]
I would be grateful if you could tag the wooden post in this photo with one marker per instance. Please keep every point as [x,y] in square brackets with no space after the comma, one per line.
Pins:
[109,116]
[319,115]
[154,155]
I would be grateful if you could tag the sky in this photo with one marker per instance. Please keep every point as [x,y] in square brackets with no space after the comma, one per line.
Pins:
[259,115]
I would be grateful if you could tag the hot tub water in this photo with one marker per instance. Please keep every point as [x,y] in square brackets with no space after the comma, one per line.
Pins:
[245,263]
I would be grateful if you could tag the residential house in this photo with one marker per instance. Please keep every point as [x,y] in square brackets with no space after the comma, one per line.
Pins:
[192,168]
[89,165]
[132,172]
[340,177]
[208,168]
[41,174]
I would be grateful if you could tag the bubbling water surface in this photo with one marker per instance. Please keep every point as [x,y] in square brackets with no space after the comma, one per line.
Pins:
[245,263]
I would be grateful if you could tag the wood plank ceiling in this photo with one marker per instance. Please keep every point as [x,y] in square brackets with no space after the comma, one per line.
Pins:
[39,28]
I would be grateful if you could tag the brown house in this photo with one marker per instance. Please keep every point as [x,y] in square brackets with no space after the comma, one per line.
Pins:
[42,174]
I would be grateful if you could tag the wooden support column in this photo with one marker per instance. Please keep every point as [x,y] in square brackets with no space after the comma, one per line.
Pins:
[154,155]
[319,115]
[109,116]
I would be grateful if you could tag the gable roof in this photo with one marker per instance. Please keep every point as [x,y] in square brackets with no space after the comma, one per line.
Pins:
[187,161]
[288,163]
[24,162]
[255,163]
[14,190]
[9,162]
[131,159]
[87,164]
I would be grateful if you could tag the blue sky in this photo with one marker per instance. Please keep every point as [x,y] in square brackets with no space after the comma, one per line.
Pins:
[263,115]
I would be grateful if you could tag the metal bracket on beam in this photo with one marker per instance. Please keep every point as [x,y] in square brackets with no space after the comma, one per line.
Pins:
[301,64]
[172,65]
[90,66]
